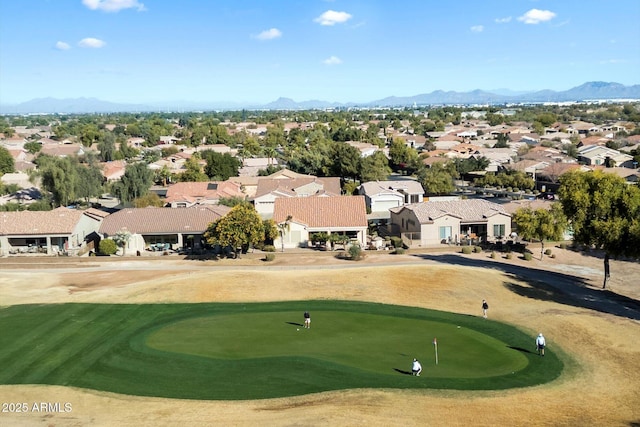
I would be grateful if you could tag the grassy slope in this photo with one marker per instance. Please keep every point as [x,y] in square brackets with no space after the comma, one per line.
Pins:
[105,347]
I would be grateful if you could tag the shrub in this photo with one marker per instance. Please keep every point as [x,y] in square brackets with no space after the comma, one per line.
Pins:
[396,241]
[563,246]
[107,247]
[493,254]
[508,255]
[467,249]
[269,248]
[398,251]
[547,252]
[355,252]
[553,255]
[527,256]
[477,249]
[269,257]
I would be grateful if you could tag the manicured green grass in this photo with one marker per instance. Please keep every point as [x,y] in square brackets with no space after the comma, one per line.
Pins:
[253,351]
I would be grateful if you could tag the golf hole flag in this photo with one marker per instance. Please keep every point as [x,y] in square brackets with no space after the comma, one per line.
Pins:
[435,344]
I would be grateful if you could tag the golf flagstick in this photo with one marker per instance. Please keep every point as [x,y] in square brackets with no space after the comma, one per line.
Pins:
[435,344]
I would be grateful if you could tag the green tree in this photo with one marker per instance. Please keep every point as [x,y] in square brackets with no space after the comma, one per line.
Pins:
[90,182]
[375,167]
[283,228]
[220,166]
[242,226]
[135,182]
[7,164]
[541,224]
[402,156]
[33,147]
[438,179]
[107,147]
[149,199]
[346,161]
[60,177]
[604,212]
[121,238]
[193,171]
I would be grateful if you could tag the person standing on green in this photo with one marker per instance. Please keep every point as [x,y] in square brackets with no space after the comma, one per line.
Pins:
[307,320]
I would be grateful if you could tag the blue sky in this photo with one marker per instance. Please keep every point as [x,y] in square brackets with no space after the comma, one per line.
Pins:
[152,51]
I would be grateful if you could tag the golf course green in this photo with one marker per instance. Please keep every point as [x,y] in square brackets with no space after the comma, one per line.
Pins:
[261,350]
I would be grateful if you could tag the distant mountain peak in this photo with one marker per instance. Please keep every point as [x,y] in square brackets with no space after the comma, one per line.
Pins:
[595,90]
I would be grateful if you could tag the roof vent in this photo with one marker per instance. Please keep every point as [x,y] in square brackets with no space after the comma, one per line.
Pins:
[212,186]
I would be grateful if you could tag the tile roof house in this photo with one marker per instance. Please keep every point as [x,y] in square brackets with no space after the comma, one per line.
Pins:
[47,232]
[187,194]
[63,150]
[270,189]
[149,227]
[450,221]
[307,215]
[597,155]
[113,171]
[251,166]
[380,196]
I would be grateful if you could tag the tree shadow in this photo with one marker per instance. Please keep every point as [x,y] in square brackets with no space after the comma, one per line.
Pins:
[553,286]
[403,372]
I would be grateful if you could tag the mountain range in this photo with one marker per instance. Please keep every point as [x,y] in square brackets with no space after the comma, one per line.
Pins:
[590,91]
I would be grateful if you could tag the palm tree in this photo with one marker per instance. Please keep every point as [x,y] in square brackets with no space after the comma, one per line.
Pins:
[284,228]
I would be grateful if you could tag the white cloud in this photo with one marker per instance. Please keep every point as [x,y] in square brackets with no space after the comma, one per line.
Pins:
[270,34]
[113,5]
[91,42]
[331,17]
[503,20]
[332,60]
[536,16]
[62,46]
[477,28]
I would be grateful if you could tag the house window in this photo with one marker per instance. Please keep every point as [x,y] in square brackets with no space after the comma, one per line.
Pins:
[498,230]
[445,233]
[415,198]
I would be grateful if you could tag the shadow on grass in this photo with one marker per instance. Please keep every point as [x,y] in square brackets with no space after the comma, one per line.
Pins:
[523,350]
[552,286]
[294,323]
[402,371]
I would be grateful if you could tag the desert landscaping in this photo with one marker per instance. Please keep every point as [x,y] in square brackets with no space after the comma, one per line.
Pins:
[596,333]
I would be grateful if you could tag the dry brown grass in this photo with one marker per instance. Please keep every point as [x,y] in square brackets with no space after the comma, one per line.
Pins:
[600,387]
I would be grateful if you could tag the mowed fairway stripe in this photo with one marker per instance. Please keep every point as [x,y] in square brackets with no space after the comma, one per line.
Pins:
[34,365]
[21,344]
[29,332]
[125,321]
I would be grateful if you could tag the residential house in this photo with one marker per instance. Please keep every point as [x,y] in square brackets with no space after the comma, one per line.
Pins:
[188,194]
[450,221]
[52,232]
[301,217]
[152,228]
[271,188]
[364,148]
[598,155]
[380,196]
[251,166]
[63,150]
[630,176]
[113,171]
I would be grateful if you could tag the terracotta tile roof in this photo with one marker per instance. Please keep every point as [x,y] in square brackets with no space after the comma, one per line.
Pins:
[197,191]
[162,220]
[58,221]
[315,212]
[476,210]
[331,185]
